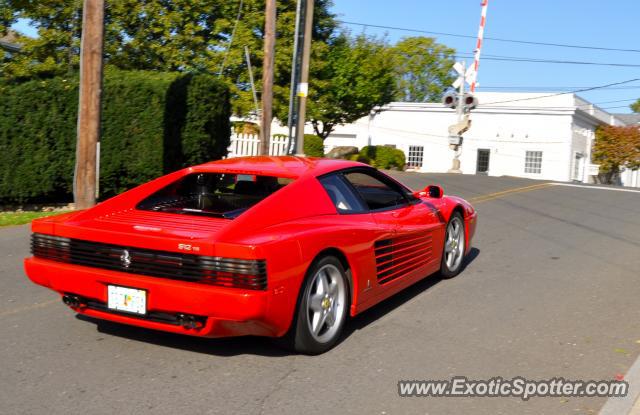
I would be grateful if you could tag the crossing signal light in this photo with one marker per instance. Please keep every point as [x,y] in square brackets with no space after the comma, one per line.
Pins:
[450,99]
[469,102]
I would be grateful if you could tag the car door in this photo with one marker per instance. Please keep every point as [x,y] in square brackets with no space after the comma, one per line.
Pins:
[410,229]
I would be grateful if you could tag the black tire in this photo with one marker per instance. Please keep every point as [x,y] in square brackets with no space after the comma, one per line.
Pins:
[301,338]
[449,269]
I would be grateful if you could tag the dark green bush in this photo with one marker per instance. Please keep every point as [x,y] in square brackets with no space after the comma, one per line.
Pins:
[361,158]
[152,123]
[313,146]
[384,157]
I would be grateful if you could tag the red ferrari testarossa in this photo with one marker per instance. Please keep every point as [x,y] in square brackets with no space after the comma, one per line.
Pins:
[273,246]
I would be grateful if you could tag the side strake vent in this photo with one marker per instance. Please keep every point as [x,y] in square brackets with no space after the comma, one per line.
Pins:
[397,257]
[248,274]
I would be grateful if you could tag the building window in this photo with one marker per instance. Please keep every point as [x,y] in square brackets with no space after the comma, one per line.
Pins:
[533,162]
[414,161]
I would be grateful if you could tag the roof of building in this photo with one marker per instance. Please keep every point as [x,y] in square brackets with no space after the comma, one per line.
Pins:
[629,119]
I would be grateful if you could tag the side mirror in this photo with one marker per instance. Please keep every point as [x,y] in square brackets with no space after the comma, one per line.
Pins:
[433,191]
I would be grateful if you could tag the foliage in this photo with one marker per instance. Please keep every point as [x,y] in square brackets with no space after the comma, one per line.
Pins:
[354,76]
[383,157]
[205,130]
[20,218]
[616,147]
[245,127]
[163,35]
[362,158]
[150,125]
[313,146]
[423,69]
[349,75]
[635,107]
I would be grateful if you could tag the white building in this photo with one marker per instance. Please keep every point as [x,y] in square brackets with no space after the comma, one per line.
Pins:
[531,135]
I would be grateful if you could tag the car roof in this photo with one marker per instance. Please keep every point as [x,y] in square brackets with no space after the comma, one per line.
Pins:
[281,166]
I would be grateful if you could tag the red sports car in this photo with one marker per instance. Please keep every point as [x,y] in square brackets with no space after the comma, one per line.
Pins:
[274,246]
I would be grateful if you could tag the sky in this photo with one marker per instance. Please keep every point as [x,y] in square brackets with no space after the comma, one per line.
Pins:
[606,24]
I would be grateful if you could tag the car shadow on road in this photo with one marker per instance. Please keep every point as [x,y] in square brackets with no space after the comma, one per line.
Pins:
[378,311]
[262,346]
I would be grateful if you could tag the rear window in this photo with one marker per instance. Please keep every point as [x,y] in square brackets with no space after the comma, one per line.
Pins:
[220,195]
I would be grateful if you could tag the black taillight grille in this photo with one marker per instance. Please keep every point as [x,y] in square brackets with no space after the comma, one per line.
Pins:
[228,272]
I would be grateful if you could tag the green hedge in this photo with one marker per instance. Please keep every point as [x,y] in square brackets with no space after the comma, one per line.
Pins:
[382,157]
[152,123]
[313,145]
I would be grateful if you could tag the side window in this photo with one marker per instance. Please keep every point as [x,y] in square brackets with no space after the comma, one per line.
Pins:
[342,196]
[376,193]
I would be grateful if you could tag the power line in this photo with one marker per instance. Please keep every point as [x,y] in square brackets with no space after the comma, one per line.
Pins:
[553,88]
[618,106]
[567,92]
[233,34]
[555,61]
[497,39]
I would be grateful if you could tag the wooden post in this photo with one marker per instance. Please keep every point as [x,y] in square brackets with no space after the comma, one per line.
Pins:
[267,75]
[84,189]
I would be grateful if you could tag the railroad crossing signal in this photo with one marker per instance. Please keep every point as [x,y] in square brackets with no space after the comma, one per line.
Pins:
[452,99]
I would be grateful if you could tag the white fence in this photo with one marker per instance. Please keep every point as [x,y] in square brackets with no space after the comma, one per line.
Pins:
[249,145]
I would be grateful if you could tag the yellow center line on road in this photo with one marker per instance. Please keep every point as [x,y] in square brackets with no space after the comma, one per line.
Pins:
[496,195]
[28,308]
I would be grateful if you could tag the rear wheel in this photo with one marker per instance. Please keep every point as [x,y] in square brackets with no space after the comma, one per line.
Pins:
[454,247]
[322,307]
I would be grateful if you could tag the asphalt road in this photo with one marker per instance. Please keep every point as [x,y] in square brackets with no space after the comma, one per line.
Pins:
[551,290]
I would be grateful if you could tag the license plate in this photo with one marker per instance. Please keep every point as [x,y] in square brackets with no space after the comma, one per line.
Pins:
[125,299]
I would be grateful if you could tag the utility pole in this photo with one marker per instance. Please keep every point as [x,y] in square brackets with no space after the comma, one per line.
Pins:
[295,78]
[267,75]
[303,86]
[84,187]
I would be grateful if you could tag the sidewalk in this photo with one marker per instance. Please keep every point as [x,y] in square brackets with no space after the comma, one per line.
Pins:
[636,408]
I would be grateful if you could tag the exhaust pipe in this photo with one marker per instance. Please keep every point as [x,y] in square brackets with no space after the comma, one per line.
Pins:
[72,301]
[188,321]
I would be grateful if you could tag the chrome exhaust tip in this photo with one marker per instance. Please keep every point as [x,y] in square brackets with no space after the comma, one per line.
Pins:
[188,321]
[72,301]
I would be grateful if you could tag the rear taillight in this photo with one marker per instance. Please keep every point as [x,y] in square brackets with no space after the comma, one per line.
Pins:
[51,247]
[235,273]
[250,274]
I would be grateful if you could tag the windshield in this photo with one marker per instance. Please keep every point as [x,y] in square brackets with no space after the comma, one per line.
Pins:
[213,194]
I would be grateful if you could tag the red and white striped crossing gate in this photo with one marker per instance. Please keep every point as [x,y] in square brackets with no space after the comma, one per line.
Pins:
[476,63]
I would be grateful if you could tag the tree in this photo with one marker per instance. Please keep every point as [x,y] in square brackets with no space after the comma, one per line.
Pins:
[635,107]
[353,76]
[616,147]
[161,35]
[423,69]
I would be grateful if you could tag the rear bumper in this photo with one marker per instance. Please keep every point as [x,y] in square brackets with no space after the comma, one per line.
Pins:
[223,311]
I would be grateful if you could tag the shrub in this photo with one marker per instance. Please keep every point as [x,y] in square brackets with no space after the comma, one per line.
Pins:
[384,157]
[313,146]
[152,123]
[361,158]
